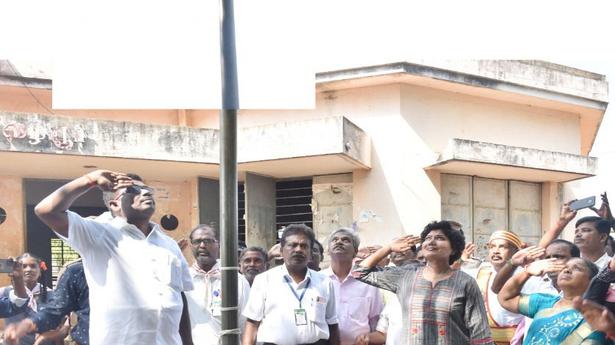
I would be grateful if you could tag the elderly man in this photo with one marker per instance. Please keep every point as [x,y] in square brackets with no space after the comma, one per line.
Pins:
[252,262]
[358,304]
[136,274]
[292,304]
[205,300]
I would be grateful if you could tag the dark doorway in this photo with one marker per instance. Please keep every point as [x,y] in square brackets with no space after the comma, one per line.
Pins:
[43,242]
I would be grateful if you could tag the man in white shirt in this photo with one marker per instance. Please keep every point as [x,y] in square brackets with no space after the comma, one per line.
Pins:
[292,304]
[358,304]
[252,262]
[590,235]
[205,300]
[502,246]
[135,272]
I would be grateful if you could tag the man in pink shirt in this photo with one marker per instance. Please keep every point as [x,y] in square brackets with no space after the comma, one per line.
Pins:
[358,304]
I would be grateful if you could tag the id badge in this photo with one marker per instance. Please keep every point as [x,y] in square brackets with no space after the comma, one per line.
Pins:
[300,317]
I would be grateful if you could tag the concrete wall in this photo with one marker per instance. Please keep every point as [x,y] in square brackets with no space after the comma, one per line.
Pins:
[178,199]
[331,204]
[12,230]
[409,126]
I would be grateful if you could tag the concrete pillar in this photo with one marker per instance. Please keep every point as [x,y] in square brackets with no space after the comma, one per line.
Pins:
[209,201]
[260,211]
[552,200]
[331,204]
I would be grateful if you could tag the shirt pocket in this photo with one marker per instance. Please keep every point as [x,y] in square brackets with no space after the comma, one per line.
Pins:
[316,308]
[357,308]
[169,270]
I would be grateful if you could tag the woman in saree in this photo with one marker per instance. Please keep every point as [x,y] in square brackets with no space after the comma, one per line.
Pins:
[439,305]
[555,321]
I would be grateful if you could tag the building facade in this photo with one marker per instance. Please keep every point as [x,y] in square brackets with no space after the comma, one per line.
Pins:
[387,149]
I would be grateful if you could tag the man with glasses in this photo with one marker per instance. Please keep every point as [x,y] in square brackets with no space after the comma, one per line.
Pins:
[205,300]
[136,273]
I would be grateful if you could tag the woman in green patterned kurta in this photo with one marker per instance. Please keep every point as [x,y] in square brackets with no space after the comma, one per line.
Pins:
[439,305]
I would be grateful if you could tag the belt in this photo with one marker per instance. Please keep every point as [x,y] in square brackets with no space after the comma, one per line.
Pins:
[319,342]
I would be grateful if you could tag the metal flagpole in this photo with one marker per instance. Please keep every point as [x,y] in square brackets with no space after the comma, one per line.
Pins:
[228,177]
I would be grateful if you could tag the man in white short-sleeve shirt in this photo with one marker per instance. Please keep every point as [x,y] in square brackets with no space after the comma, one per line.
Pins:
[205,301]
[292,304]
[135,272]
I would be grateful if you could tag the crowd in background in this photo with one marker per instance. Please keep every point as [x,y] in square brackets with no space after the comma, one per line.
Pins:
[424,288]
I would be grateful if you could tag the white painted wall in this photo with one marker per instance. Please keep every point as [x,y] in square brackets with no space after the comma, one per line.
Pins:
[409,125]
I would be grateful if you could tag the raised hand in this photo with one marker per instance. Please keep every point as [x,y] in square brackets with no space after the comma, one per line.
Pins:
[605,210]
[567,214]
[109,180]
[527,255]
[15,331]
[468,251]
[541,267]
[404,243]
[183,243]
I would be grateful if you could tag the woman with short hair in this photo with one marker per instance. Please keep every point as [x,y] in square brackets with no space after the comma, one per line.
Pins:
[439,305]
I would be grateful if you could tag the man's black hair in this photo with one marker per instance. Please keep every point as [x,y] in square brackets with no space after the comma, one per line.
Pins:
[296,229]
[204,227]
[602,225]
[456,239]
[575,252]
[109,196]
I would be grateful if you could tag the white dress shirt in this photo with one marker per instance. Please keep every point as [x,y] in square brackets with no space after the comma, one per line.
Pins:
[135,281]
[273,303]
[603,261]
[204,304]
[357,303]
[500,315]
[390,321]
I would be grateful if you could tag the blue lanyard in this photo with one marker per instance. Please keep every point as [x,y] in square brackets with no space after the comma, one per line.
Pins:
[299,298]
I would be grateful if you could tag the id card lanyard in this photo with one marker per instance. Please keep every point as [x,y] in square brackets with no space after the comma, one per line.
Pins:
[300,314]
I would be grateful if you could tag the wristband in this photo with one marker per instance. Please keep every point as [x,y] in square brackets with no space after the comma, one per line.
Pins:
[91,182]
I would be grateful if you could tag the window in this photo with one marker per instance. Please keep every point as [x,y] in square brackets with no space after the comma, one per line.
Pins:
[293,200]
[61,253]
[484,205]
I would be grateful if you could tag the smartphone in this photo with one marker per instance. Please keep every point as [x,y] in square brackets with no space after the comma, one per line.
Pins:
[583,203]
[7,265]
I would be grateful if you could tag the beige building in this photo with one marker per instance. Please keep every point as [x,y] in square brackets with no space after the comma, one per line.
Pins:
[387,148]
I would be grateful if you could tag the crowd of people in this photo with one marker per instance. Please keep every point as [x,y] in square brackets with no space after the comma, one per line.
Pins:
[133,284]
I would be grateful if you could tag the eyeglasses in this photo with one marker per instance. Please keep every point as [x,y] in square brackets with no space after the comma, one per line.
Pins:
[205,241]
[135,189]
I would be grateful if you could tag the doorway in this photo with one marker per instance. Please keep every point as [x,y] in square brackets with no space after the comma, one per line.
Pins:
[43,242]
